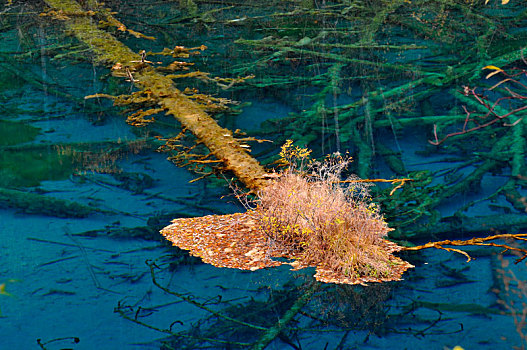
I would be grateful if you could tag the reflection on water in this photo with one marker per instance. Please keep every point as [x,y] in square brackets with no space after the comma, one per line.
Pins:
[84,195]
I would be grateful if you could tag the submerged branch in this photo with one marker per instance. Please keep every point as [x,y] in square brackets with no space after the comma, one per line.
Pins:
[476,242]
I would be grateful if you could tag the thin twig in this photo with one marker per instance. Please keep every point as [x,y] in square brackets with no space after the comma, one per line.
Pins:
[152,266]
[475,242]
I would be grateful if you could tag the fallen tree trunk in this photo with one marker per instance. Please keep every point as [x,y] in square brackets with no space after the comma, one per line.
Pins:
[34,203]
[109,50]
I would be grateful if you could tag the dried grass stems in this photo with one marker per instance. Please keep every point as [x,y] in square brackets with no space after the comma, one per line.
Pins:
[306,214]
[322,220]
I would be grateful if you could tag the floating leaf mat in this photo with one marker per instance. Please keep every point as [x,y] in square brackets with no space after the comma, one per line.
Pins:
[237,241]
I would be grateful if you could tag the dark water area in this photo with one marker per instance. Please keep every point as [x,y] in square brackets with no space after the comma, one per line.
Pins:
[84,194]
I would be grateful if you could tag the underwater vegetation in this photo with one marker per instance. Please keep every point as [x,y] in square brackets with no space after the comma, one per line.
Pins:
[427,91]
[14,133]
[363,97]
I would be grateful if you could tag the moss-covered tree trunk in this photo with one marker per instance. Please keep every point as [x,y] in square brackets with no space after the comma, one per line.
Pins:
[109,50]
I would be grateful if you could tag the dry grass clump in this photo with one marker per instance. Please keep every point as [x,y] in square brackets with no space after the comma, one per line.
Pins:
[308,215]
[323,221]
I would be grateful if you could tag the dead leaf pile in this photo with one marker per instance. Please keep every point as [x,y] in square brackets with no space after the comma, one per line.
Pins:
[237,241]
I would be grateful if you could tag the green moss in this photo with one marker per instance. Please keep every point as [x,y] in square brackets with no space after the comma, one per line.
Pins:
[34,203]
[12,133]
[29,167]
[26,167]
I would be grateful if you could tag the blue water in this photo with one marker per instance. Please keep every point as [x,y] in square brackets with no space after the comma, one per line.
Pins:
[70,282]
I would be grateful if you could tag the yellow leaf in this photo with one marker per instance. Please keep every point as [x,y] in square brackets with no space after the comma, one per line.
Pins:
[494,68]
[486,2]
[504,2]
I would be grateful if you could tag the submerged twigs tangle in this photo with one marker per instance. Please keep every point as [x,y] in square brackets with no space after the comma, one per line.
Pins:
[124,311]
[192,301]
[495,111]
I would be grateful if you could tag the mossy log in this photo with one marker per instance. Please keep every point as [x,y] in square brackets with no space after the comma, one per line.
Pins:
[274,331]
[220,141]
[34,203]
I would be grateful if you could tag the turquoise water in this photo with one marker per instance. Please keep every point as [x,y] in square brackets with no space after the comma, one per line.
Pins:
[83,194]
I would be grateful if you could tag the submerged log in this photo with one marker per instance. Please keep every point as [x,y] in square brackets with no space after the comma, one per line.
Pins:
[34,203]
[109,50]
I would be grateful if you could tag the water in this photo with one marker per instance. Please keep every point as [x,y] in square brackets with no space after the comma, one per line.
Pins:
[83,194]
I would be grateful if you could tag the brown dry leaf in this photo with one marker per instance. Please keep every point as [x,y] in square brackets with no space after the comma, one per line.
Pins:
[223,240]
[237,241]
